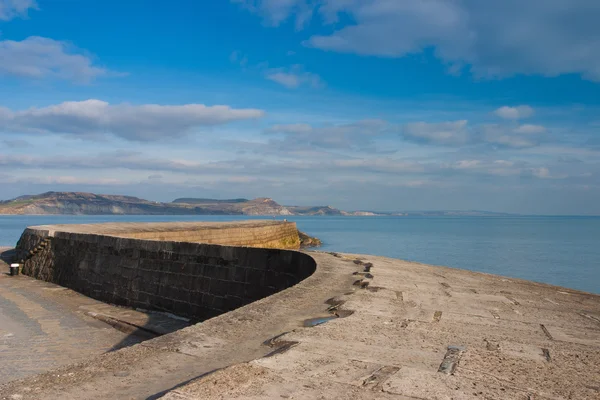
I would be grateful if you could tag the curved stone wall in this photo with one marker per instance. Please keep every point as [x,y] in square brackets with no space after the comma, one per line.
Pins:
[255,233]
[194,280]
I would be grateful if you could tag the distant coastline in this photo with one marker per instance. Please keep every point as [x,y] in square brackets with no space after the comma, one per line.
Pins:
[79,203]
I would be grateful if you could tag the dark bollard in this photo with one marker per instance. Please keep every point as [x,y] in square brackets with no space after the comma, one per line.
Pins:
[14,269]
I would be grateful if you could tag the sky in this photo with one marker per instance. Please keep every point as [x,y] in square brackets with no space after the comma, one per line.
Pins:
[385,105]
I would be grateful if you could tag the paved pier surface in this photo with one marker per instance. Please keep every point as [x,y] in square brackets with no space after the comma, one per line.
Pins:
[44,326]
[405,331]
[253,233]
[127,229]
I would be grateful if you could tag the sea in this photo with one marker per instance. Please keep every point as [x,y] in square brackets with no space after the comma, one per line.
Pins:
[563,251]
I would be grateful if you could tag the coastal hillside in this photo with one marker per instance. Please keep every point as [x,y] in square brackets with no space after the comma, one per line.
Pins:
[77,203]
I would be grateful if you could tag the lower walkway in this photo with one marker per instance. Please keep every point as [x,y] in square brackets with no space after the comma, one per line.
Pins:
[44,326]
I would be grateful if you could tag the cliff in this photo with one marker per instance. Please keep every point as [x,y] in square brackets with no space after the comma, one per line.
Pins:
[77,203]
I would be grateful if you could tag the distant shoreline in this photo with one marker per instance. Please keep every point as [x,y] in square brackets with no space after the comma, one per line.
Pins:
[80,203]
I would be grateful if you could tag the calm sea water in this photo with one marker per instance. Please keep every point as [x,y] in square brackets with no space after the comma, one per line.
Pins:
[563,251]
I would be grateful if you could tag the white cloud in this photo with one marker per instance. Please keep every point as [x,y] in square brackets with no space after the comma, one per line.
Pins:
[291,129]
[542,173]
[38,57]
[522,136]
[275,12]
[518,112]
[503,168]
[10,9]
[497,39]
[459,133]
[388,165]
[290,81]
[16,143]
[358,135]
[442,133]
[529,129]
[237,57]
[293,77]
[133,122]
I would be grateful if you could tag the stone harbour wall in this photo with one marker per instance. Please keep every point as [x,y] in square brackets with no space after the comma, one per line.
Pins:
[194,280]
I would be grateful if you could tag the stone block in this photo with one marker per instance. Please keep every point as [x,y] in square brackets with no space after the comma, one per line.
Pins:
[219,303]
[238,274]
[237,289]
[207,299]
[219,287]
[232,302]
[205,284]
[254,277]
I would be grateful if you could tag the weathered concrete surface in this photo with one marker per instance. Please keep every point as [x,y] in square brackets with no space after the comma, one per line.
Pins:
[254,233]
[517,340]
[195,280]
[44,326]
[509,339]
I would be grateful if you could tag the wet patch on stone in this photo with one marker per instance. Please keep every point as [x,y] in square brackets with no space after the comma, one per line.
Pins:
[280,346]
[312,322]
[546,353]
[377,378]
[343,313]
[334,303]
[361,283]
[273,341]
[451,359]
[283,346]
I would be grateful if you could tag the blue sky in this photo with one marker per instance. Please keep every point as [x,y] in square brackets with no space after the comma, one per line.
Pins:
[360,104]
